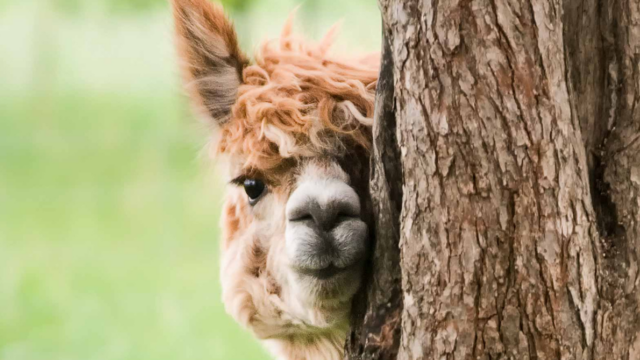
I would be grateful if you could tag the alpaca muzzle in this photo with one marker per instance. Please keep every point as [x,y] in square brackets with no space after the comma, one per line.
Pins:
[325,236]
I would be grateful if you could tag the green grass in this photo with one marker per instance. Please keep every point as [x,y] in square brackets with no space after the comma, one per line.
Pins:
[108,209]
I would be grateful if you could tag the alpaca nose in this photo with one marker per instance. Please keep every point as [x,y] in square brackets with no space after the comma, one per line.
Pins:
[325,204]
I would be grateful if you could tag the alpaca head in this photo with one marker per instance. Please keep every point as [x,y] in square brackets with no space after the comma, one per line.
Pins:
[294,128]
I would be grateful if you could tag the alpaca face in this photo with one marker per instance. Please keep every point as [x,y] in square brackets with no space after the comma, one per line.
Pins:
[325,238]
[294,129]
[299,253]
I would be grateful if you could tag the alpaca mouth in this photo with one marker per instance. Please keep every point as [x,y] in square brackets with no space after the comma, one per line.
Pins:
[324,273]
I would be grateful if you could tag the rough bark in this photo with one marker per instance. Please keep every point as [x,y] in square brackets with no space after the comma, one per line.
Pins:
[377,312]
[617,181]
[515,143]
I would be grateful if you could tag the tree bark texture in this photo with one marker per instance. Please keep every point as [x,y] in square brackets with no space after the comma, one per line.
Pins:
[377,310]
[506,171]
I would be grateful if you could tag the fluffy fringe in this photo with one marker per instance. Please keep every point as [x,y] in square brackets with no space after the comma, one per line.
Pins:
[298,101]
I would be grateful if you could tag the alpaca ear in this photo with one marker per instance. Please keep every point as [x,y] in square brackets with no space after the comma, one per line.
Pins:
[212,61]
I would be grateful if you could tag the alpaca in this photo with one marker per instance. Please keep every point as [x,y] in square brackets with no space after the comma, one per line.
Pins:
[294,129]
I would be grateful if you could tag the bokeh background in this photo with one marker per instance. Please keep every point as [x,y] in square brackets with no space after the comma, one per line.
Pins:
[108,207]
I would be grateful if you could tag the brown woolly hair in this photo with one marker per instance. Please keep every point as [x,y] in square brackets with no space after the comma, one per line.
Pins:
[297,101]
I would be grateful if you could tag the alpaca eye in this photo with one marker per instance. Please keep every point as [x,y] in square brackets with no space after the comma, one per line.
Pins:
[254,189]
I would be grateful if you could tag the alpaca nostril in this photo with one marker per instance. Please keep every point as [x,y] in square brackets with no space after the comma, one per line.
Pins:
[301,217]
[344,217]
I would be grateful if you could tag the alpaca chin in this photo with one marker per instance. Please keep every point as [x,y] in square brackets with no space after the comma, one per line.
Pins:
[332,293]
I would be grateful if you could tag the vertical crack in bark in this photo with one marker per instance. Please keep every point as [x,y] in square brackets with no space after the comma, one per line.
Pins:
[587,46]
[377,309]
[609,227]
[602,61]
[525,328]
[576,311]
[390,153]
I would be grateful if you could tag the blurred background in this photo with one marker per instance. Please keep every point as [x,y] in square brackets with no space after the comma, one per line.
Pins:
[108,207]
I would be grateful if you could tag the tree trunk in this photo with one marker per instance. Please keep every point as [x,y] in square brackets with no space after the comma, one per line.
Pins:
[505,183]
